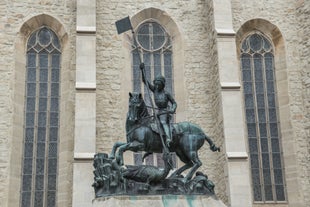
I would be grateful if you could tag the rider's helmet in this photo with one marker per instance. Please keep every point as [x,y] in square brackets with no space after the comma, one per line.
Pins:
[161,79]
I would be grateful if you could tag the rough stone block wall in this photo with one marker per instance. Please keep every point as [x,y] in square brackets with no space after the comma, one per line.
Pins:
[13,15]
[215,161]
[302,13]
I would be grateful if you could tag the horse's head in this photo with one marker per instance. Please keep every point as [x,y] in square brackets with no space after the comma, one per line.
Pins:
[137,108]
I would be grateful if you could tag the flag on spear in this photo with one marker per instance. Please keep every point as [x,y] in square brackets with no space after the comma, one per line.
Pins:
[123,25]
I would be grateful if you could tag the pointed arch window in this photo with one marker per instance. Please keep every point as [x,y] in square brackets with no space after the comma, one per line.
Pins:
[41,125]
[261,110]
[154,45]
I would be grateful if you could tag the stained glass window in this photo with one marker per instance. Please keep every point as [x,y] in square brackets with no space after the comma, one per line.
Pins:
[259,90]
[40,153]
[153,44]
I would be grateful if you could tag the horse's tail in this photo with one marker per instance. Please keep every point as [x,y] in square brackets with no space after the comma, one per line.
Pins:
[212,145]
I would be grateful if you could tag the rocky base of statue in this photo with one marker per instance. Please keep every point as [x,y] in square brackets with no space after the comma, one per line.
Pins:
[196,186]
[110,179]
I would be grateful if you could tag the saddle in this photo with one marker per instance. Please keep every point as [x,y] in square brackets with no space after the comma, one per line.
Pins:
[175,129]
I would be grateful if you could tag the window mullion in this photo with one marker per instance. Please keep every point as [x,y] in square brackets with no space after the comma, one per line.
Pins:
[151,37]
[35,137]
[259,150]
[47,130]
[268,132]
[152,65]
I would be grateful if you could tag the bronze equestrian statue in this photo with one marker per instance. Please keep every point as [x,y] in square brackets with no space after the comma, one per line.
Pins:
[187,138]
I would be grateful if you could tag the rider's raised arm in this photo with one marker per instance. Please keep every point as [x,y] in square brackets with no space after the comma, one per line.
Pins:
[152,88]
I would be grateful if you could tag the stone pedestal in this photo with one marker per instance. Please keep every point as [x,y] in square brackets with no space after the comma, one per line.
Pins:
[159,201]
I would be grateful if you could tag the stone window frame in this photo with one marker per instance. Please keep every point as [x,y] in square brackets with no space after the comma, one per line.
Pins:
[33,23]
[271,32]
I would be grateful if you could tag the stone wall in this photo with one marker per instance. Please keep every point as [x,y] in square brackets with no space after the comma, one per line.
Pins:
[14,16]
[291,19]
[215,161]
[302,13]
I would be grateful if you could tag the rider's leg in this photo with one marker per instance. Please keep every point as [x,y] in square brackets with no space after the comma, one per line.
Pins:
[167,133]
[164,120]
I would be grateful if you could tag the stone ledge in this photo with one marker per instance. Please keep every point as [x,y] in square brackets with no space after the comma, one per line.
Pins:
[84,156]
[86,29]
[237,155]
[85,86]
[230,86]
[225,32]
[158,201]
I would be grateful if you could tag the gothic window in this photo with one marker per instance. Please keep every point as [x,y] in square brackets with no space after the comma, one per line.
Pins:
[40,152]
[154,45]
[261,110]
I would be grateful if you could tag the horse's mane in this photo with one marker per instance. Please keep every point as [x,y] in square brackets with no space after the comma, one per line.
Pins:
[145,112]
[137,98]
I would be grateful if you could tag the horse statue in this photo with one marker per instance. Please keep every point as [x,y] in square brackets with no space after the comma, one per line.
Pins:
[187,138]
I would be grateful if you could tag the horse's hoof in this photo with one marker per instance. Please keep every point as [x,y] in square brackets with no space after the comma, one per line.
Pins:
[123,168]
[120,163]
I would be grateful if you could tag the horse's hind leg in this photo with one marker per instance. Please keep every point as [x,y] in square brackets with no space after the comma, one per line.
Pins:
[115,146]
[196,164]
[180,170]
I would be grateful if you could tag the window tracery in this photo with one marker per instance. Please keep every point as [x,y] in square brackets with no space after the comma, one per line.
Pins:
[261,110]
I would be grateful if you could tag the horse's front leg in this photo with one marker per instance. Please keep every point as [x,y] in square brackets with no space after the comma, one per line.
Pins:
[115,146]
[121,150]
[133,146]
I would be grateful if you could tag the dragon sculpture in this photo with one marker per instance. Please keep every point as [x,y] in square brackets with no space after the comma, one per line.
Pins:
[149,174]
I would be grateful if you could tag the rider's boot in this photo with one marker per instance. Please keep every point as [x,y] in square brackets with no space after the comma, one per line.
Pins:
[168,134]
